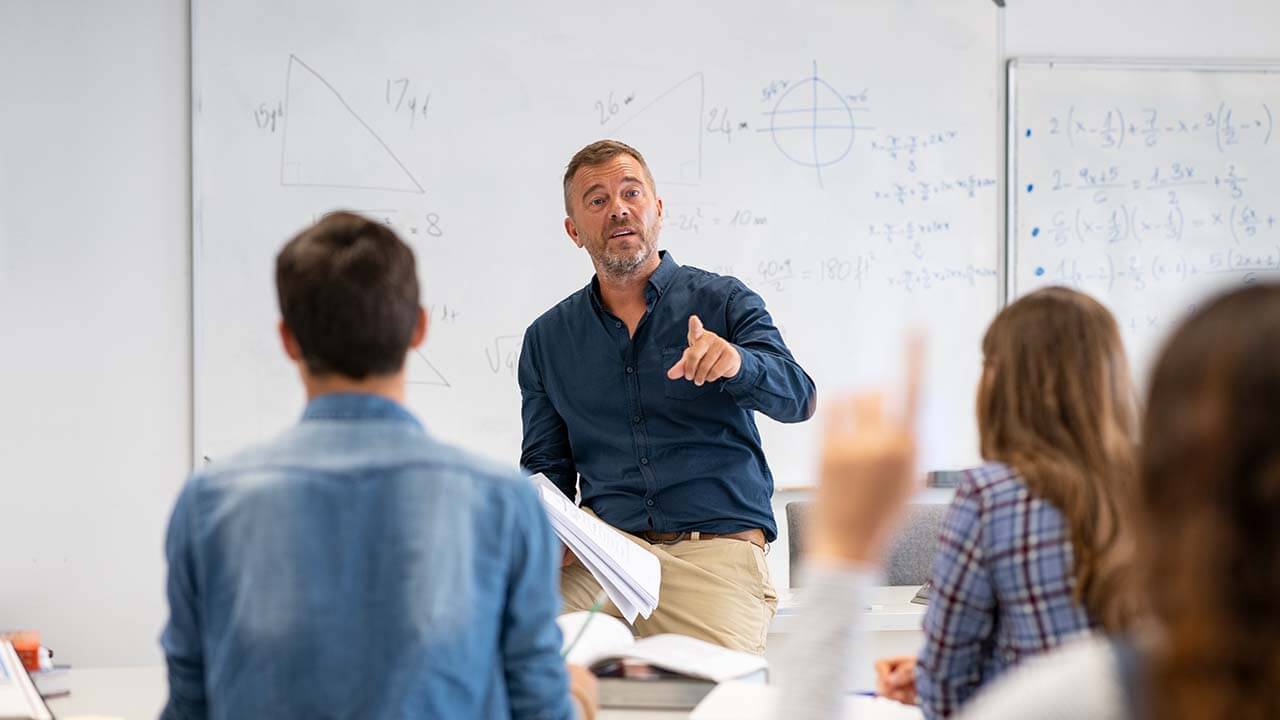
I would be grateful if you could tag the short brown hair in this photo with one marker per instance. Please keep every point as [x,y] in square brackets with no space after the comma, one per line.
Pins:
[598,153]
[1059,408]
[348,291]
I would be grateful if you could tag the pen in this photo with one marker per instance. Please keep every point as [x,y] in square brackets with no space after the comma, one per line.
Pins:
[595,608]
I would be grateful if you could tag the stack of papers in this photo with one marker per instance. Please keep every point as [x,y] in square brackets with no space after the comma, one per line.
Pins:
[629,574]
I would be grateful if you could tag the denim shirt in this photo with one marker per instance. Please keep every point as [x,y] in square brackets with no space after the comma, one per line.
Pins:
[653,453]
[355,567]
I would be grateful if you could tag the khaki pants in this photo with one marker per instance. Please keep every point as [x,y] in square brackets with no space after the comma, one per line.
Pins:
[716,590]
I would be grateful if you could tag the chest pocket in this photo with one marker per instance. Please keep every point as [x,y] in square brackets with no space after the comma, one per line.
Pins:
[680,389]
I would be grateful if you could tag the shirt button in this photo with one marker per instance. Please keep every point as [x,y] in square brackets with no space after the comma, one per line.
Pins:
[649,503]
[617,324]
[644,461]
[630,369]
[635,418]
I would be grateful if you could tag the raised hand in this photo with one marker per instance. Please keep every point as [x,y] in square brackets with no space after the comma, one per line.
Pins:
[867,472]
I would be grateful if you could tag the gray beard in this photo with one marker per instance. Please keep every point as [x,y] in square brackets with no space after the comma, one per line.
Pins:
[621,267]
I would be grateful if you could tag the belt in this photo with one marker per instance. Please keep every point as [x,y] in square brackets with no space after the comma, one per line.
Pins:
[755,537]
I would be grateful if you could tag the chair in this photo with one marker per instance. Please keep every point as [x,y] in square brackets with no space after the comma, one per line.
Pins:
[909,559]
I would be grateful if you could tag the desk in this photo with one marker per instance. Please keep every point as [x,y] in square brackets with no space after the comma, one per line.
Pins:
[894,626]
[138,693]
[133,693]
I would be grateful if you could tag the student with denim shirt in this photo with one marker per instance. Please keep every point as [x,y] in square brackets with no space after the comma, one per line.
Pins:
[355,566]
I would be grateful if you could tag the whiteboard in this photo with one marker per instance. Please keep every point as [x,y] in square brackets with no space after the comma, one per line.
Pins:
[1143,185]
[843,160]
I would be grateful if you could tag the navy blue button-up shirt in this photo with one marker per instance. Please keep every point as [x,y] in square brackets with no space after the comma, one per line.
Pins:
[653,453]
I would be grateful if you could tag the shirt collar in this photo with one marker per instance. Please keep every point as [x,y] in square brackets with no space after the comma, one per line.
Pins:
[660,280]
[357,406]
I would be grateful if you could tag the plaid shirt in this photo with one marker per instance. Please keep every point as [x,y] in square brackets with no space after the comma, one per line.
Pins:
[1002,588]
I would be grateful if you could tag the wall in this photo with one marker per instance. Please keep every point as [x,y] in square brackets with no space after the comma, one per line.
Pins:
[95,378]
[95,286]
[1222,30]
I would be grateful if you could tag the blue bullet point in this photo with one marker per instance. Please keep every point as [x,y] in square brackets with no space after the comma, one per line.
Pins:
[1030,187]
[1035,232]
[1028,132]
[1039,271]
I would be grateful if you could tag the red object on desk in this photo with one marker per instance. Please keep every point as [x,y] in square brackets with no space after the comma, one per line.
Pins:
[27,644]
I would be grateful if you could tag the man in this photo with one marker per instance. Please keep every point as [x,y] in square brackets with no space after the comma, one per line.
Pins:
[355,566]
[639,391]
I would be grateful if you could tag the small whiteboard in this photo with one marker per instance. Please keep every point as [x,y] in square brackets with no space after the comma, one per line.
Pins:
[1151,187]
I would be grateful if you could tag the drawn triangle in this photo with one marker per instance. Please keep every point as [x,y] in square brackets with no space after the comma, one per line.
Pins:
[327,144]
[422,372]
[673,122]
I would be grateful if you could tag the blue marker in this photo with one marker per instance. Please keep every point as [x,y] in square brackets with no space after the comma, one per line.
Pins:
[1035,232]
[1028,132]
[1039,271]
[1030,187]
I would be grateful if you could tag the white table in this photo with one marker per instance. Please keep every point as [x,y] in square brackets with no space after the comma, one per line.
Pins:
[894,627]
[133,693]
[139,693]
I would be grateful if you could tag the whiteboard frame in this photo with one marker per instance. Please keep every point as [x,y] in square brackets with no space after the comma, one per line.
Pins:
[197,242]
[1120,64]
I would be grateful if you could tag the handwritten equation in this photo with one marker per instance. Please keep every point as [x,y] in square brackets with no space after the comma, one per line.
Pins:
[1226,125]
[1133,222]
[923,191]
[929,277]
[1138,272]
[1172,177]
[907,147]
[698,217]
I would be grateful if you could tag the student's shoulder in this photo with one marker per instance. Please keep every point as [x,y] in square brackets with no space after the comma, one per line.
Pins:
[991,481]
[1077,680]
[483,471]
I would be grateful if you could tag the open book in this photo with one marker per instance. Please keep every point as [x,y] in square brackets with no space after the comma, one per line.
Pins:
[606,640]
[629,574]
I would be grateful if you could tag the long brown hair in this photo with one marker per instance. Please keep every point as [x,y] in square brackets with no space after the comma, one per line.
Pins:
[1210,512]
[1057,405]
